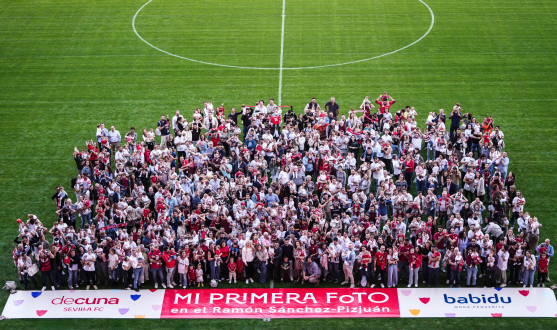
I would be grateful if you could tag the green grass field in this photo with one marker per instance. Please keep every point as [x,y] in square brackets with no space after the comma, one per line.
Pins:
[66,66]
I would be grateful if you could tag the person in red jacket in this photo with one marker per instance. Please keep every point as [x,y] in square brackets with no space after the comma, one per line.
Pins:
[409,170]
[415,261]
[380,266]
[542,269]
[169,257]
[232,266]
[240,267]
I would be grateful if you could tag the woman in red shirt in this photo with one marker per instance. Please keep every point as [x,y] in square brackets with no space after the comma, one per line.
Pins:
[415,261]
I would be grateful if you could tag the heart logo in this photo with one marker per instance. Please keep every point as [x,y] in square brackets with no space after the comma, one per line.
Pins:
[450,314]
[114,290]
[532,308]
[414,312]
[524,292]
[135,296]
[424,300]
[123,311]
[156,307]
[18,302]
[41,313]
[454,289]
[36,294]
[498,289]
[72,291]
[406,292]
[497,314]
[140,316]
[152,290]
[548,294]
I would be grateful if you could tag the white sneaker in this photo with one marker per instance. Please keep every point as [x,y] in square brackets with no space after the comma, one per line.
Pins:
[251,280]
[291,278]
[174,284]
[95,287]
[71,288]
[171,286]
[543,285]
[382,285]
[503,285]
[531,286]
[44,288]
[373,285]
[156,285]
[229,281]
[352,286]
[52,287]
[524,286]
[183,286]
[538,285]
[247,281]
[343,283]
[87,288]
[163,285]
[416,285]
[410,285]
[448,281]
[128,288]
[481,275]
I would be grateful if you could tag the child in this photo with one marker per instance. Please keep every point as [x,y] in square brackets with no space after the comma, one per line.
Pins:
[285,269]
[191,276]
[232,270]
[542,270]
[240,267]
[199,275]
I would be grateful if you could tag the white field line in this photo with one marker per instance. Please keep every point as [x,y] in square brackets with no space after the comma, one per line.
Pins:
[281,67]
[281,52]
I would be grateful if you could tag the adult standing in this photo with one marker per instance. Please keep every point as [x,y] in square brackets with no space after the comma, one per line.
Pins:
[88,261]
[248,256]
[502,265]
[349,257]
[164,130]
[332,107]
[114,139]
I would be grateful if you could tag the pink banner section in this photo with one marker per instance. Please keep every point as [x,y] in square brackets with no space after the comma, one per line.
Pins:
[283,303]
[280,303]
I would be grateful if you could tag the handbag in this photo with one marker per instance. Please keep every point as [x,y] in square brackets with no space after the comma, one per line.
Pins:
[31,271]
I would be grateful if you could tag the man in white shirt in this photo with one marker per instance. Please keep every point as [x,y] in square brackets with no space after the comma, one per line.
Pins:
[502,265]
[175,119]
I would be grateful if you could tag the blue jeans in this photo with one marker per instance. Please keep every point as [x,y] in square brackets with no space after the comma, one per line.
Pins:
[421,185]
[455,278]
[184,279]
[85,219]
[471,273]
[529,277]
[114,274]
[157,272]
[137,277]
[72,277]
[263,275]
[214,274]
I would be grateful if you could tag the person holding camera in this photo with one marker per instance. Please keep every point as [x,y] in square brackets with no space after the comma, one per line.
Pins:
[43,258]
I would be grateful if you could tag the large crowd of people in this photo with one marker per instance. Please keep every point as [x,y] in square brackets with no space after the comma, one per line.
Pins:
[262,193]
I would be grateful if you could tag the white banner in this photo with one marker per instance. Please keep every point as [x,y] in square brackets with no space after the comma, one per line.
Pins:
[85,304]
[477,302]
[463,302]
